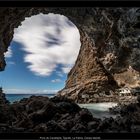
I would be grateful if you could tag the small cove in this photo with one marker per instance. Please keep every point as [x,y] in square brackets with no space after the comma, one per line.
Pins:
[100,110]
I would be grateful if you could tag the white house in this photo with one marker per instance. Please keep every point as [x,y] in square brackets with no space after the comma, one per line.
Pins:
[124,90]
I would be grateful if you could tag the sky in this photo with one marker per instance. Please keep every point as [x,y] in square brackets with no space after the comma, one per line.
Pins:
[43,50]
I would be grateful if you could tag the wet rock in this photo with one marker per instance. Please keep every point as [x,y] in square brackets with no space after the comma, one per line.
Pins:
[3,99]
[45,114]
[68,107]
[115,110]
[67,124]
[35,105]
[55,127]
[78,128]
[92,131]
[138,99]
[103,125]
[92,125]
[20,130]
[3,125]
[25,122]
[85,115]
[5,114]
[127,109]
[135,128]
[40,128]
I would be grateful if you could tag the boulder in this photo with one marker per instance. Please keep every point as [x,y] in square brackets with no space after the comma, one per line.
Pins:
[53,126]
[45,114]
[78,128]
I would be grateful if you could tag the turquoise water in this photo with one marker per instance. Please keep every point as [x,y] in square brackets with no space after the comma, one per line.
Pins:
[100,110]
[16,97]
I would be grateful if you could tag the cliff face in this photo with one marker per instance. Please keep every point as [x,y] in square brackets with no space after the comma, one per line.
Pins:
[110,39]
[88,77]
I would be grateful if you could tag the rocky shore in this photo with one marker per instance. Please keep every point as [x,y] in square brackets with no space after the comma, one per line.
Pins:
[91,97]
[59,114]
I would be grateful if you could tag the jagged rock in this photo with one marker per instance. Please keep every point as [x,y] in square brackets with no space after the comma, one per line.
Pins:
[115,110]
[78,128]
[56,115]
[87,79]
[135,128]
[138,98]
[65,104]
[34,105]
[5,114]
[4,108]
[67,124]
[41,128]
[53,115]
[45,114]
[55,127]
[3,99]
[93,125]
[85,116]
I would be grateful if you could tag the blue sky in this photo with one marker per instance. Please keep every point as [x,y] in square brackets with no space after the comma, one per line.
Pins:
[43,50]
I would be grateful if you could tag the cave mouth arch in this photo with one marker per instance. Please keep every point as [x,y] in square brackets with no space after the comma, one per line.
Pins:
[99,39]
[55,32]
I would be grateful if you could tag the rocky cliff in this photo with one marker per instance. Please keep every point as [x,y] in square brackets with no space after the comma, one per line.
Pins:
[3,99]
[110,46]
[88,79]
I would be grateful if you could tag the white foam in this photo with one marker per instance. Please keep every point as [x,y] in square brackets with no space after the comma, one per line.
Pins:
[99,106]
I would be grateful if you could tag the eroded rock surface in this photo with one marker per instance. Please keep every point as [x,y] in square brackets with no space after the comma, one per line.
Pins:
[88,77]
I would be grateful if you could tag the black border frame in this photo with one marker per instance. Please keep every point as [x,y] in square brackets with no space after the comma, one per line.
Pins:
[68,3]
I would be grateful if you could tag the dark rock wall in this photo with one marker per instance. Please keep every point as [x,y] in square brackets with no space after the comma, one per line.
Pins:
[110,40]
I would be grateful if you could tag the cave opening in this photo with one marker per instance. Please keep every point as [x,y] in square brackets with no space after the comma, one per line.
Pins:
[43,50]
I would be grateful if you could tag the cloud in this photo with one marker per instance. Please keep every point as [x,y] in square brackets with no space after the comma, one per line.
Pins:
[48,40]
[56,81]
[29,91]
[9,53]
[58,73]
[66,69]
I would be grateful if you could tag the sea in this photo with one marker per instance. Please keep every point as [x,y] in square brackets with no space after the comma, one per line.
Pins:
[17,97]
[98,110]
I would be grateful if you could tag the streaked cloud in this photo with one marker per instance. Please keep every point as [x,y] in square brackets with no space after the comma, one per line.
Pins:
[58,73]
[56,80]
[48,40]
[66,69]
[9,53]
